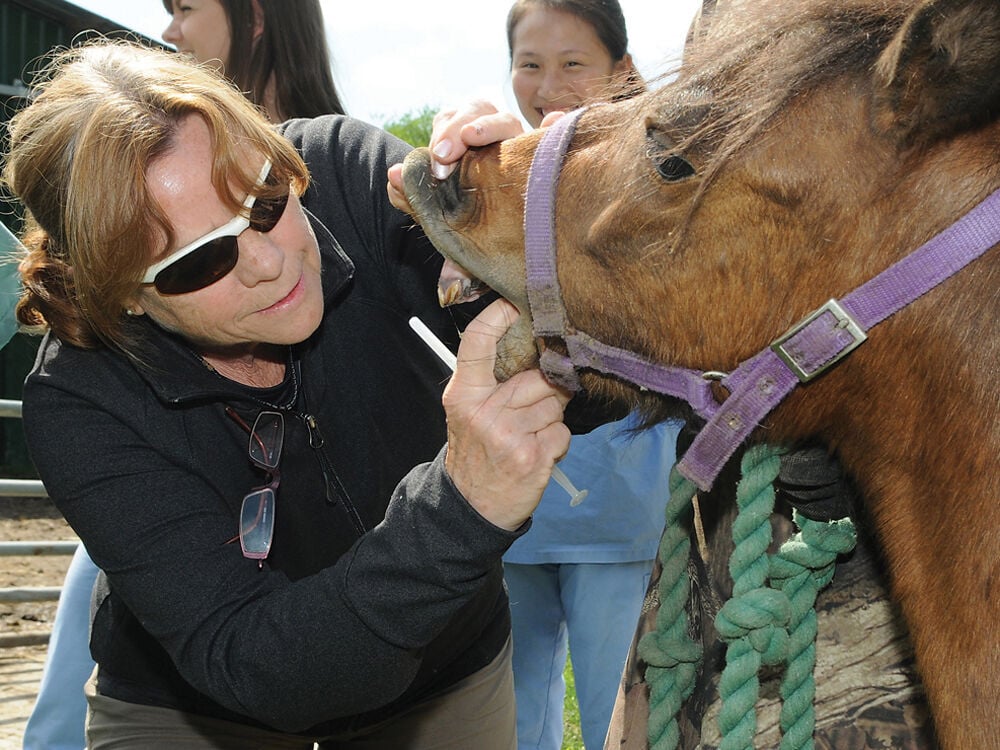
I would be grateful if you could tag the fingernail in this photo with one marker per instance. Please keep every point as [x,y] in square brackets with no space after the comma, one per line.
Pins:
[443,148]
[441,171]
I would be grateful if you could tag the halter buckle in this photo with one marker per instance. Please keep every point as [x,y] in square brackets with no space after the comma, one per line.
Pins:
[819,341]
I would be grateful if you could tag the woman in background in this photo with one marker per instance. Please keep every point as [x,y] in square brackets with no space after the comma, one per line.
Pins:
[577,580]
[273,50]
[566,53]
[579,576]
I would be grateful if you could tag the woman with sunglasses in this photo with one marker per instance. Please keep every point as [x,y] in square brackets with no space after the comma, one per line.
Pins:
[231,411]
[276,54]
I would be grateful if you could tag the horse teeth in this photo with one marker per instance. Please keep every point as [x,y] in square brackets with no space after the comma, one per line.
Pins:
[450,293]
[454,291]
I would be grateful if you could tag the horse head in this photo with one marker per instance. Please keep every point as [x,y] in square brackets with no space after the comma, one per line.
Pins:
[803,147]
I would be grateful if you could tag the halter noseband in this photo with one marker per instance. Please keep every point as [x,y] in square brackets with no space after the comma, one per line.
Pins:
[759,384]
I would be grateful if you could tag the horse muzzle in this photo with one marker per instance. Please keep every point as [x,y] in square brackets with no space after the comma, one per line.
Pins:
[474,264]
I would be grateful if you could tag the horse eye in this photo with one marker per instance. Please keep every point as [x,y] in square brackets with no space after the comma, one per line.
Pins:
[675,168]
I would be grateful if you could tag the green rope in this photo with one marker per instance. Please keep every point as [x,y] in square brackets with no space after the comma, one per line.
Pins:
[672,657]
[752,623]
[802,567]
[761,625]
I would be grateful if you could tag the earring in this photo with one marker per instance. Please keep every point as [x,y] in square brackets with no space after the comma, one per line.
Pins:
[129,311]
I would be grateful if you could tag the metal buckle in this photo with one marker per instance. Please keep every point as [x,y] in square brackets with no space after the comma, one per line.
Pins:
[844,322]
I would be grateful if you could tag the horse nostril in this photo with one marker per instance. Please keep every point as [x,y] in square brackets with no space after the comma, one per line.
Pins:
[449,192]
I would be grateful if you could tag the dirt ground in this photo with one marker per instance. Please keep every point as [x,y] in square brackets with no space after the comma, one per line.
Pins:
[26,519]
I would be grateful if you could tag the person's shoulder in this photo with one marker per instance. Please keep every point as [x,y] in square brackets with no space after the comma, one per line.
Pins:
[55,357]
[298,128]
[62,371]
[327,132]
[347,160]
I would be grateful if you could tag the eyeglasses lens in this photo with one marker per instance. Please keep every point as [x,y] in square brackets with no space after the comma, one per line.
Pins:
[267,212]
[199,269]
[266,439]
[257,511]
[257,523]
[217,257]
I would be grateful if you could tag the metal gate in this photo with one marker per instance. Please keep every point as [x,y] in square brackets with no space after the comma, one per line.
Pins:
[28,488]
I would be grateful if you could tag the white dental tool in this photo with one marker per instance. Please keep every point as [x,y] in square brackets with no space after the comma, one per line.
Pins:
[437,346]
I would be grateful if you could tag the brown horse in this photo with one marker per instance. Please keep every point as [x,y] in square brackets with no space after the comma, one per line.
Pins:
[804,147]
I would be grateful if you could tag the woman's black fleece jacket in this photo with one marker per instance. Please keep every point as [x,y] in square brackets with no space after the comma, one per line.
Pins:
[383,585]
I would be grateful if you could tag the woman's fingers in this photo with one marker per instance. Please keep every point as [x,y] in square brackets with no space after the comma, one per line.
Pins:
[455,131]
[395,189]
[551,118]
[475,124]
[503,438]
[478,350]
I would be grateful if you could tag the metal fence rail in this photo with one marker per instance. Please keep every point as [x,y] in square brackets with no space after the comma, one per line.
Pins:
[27,488]
[38,548]
[18,487]
[22,488]
[31,594]
[10,408]
[23,639]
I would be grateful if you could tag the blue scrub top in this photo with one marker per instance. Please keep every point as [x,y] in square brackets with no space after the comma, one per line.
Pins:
[622,517]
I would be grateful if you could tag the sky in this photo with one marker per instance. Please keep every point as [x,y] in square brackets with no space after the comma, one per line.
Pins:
[394,57]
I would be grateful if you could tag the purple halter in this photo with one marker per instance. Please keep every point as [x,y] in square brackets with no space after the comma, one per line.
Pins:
[759,384]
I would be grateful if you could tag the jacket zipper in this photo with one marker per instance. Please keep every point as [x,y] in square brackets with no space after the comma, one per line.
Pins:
[335,490]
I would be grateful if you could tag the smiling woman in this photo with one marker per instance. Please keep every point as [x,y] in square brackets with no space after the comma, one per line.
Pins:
[280,60]
[565,53]
[578,579]
[764,219]
[211,307]
[213,255]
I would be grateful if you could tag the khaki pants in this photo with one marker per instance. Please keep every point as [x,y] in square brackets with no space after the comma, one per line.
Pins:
[477,712]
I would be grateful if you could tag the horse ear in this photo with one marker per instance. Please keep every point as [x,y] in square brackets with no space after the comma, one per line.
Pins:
[940,75]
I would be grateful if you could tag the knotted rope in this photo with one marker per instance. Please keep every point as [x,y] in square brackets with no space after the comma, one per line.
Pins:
[803,566]
[671,654]
[753,621]
[761,624]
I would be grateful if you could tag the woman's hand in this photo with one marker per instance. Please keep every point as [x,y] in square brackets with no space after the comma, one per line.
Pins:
[475,124]
[503,438]
[455,130]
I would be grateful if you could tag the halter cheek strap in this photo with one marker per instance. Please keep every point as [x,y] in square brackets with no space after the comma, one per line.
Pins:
[548,314]
[758,385]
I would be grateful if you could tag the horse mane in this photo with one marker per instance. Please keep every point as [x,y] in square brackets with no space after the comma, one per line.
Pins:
[751,58]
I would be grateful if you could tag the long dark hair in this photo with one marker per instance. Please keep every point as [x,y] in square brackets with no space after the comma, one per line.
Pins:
[605,16]
[292,48]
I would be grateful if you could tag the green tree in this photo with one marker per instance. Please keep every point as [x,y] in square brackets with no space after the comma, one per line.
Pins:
[414,127]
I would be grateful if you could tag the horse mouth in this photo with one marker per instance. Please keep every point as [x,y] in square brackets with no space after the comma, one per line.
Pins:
[439,206]
[516,349]
[457,286]
[434,204]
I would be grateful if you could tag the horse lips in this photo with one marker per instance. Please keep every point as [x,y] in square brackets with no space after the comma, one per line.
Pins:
[456,285]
